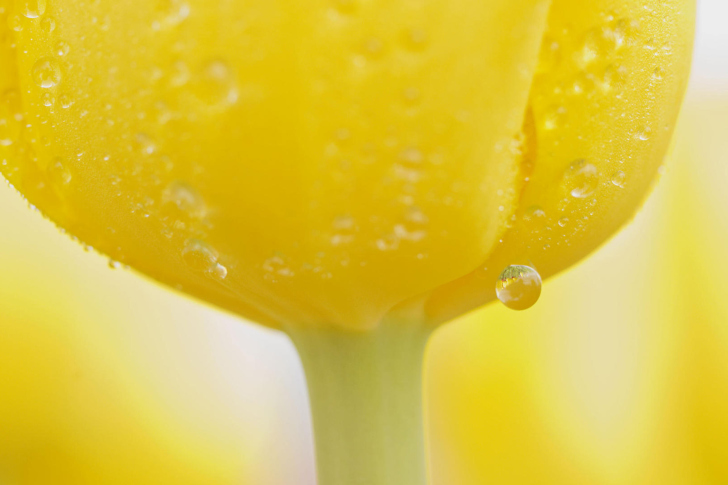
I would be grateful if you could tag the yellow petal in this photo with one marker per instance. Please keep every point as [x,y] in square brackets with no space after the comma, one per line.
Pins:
[604,103]
[313,163]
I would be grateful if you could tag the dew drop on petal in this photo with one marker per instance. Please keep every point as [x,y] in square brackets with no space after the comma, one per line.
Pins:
[580,179]
[46,72]
[619,179]
[33,8]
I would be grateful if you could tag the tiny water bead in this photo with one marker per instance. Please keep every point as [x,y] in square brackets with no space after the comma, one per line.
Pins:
[47,99]
[518,287]
[48,25]
[534,214]
[216,85]
[66,101]
[580,179]
[62,48]
[59,173]
[33,8]
[46,72]
[200,257]
[186,199]
[15,23]
[619,178]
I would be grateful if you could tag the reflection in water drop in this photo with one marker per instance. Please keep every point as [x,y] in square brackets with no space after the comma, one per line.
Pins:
[518,287]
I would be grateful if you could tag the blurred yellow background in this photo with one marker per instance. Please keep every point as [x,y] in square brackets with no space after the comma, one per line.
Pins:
[618,376]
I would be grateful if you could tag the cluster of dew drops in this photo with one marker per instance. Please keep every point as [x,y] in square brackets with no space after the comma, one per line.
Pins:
[215,87]
[518,287]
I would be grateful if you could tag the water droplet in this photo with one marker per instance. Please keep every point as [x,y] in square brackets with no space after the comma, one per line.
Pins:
[563,222]
[15,23]
[580,179]
[185,198]
[534,214]
[114,264]
[46,72]
[658,74]
[643,133]
[518,287]
[180,74]
[201,257]
[619,178]
[62,48]
[48,24]
[276,267]
[554,117]
[170,13]
[344,230]
[58,173]
[387,243]
[216,85]
[411,156]
[218,272]
[47,99]
[66,101]
[198,255]
[145,143]
[33,8]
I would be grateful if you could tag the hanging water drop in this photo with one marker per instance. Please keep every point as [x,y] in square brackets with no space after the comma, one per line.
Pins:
[518,287]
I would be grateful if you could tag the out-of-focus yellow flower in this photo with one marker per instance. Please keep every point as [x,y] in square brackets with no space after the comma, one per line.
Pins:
[106,381]
[620,375]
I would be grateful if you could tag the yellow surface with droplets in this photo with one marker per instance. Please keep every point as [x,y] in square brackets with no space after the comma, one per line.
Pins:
[327,162]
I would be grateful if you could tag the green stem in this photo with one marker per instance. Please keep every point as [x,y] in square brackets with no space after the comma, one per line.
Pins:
[366,398]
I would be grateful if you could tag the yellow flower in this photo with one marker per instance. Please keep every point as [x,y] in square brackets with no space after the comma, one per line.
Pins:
[620,376]
[334,167]
[328,163]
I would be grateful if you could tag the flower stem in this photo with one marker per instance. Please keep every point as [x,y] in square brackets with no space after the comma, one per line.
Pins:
[366,398]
